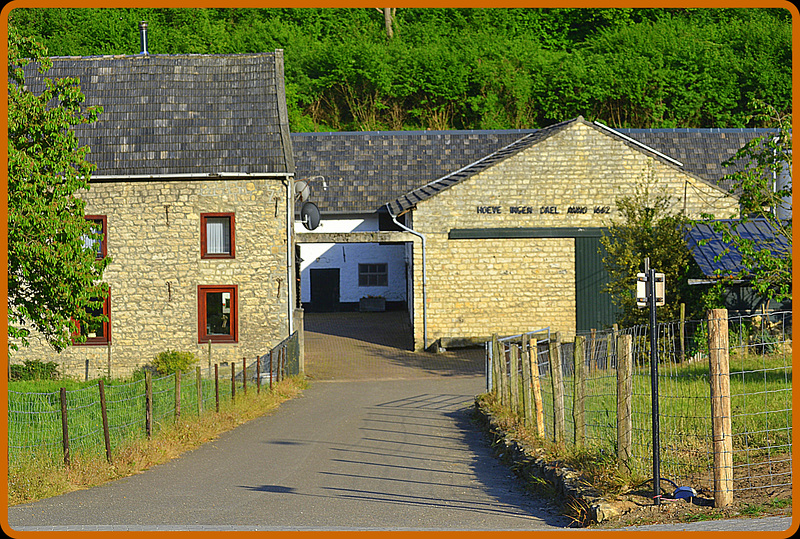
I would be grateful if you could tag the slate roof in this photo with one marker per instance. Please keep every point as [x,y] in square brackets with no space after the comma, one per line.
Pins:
[365,170]
[718,258]
[181,114]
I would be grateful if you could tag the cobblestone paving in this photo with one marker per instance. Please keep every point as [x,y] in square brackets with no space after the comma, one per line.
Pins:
[376,346]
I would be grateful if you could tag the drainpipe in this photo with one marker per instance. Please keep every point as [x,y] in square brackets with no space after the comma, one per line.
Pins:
[290,252]
[424,278]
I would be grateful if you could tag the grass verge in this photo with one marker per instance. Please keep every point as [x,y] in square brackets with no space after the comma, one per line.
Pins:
[37,476]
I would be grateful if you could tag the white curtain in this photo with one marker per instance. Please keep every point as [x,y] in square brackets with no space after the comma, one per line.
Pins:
[218,235]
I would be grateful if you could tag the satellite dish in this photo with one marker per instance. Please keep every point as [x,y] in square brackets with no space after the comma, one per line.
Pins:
[309,215]
[302,190]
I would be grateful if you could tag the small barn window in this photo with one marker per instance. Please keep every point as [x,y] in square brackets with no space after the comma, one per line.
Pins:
[373,275]
[217,235]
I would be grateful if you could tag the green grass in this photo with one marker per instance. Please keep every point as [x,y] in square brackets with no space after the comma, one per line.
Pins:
[34,412]
[39,472]
[761,403]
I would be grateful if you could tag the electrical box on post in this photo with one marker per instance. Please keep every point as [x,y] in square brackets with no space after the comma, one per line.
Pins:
[642,294]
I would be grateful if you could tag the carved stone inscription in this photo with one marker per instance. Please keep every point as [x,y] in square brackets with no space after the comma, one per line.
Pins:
[548,210]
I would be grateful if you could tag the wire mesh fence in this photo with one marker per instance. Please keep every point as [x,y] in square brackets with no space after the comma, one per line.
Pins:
[595,404]
[37,421]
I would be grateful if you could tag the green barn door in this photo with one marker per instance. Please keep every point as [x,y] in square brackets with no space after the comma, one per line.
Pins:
[593,307]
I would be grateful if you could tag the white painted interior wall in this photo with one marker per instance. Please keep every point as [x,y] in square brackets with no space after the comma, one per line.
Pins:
[347,257]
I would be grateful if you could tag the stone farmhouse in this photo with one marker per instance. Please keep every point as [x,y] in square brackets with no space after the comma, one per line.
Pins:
[194,194]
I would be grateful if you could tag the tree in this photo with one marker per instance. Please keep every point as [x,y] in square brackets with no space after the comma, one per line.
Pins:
[53,273]
[764,183]
[650,228]
[389,20]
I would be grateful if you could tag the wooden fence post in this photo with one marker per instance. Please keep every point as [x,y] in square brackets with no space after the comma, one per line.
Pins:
[64,426]
[537,387]
[722,435]
[177,395]
[270,370]
[216,384]
[504,389]
[148,404]
[624,398]
[527,382]
[104,416]
[495,366]
[258,375]
[557,383]
[199,391]
[244,375]
[233,382]
[682,332]
[579,389]
[513,377]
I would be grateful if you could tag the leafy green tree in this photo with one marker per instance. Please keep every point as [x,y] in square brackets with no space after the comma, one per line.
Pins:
[650,227]
[760,164]
[53,273]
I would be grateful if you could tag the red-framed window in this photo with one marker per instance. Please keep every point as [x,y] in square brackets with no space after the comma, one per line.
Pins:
[218,313]
[217,235]
[100,226]
[97,332]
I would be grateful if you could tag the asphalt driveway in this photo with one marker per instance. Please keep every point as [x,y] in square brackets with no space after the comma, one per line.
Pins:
[363,455]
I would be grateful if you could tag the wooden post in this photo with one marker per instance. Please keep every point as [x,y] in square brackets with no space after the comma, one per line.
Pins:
[719,373]
[258,375]
[148,404]
[495,366]
[504,390]
[592,349]
[270,370]
[216,384]
[104,415]
[682,332]
[244,375]
[199,391]
[109,360]
[64,427]
[177,395]
[557,382]
[209,355]
[537,388]
[579,390]
[513,377]
[233,382]
[527,381]
[624,398]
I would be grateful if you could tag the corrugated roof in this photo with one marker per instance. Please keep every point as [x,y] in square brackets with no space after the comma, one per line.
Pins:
[718,258]
[181,114]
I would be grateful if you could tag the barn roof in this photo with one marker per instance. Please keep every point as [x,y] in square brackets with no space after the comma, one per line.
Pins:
[365,170]
[718,258]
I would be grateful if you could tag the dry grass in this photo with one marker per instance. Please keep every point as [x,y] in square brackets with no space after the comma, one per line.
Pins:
[38,477]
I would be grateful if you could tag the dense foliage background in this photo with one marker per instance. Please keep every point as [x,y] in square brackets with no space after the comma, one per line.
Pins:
[473,68]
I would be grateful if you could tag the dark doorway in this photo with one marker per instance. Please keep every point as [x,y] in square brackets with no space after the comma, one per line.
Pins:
[324,290]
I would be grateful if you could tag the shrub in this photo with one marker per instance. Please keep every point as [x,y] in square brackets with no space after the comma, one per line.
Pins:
[34,369]
[170,361]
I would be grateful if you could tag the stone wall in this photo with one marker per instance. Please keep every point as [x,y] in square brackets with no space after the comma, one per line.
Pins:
[569,180]
[154,240]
